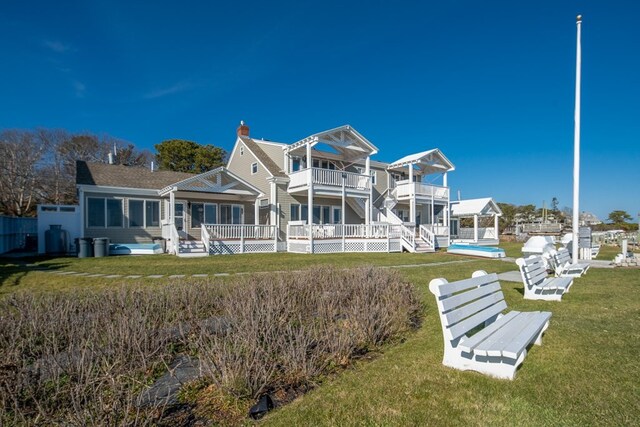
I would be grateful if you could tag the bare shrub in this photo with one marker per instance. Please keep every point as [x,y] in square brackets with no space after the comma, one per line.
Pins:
[81,359]
[286,330]
[84,359]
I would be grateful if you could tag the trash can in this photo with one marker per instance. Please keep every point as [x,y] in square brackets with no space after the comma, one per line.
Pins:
[162,242]
[100,247]
[85,249]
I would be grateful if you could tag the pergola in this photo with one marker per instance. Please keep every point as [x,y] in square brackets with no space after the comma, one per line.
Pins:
[477,208]
[350,145]
[424,163]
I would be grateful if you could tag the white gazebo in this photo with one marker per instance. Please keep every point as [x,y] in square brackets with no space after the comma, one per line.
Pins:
[475,208]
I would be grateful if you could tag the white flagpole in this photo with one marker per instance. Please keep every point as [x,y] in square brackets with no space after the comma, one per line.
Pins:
[576,148]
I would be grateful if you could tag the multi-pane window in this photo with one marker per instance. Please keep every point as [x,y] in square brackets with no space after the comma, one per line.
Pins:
[321,214]
[203,213]
[103,212]
[231,214]
[144,213]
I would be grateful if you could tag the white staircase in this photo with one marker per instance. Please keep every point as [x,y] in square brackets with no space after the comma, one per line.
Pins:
[358,205]
[192,249]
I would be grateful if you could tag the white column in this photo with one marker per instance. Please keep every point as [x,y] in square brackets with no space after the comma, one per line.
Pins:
[367,171]
[342,212]
[444,180]
[576,147]
[475,228]
[495,226]
[286,163]
[310,197]
[273,203]
[256,212]
[172,206]
[412,197]
[83,215]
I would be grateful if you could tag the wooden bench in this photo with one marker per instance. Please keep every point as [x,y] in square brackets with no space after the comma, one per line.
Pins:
[500,342]
[537,285]
[561,263]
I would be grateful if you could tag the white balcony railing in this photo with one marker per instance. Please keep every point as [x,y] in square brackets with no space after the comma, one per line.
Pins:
[329,177]
[240,232]
[412,189]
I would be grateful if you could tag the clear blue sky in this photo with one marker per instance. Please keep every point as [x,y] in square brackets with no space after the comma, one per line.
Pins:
[489,83]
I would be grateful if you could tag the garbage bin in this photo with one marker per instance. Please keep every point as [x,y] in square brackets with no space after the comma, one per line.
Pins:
[85,249]
[100,247]
[162,242]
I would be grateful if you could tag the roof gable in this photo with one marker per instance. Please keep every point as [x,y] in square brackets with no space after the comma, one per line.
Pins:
[481,207]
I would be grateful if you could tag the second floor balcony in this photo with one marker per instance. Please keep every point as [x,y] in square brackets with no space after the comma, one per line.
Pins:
[406,190]
[329,180]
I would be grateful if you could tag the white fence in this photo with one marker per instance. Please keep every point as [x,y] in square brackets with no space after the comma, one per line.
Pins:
[240,232]
[14,231]
[348,231]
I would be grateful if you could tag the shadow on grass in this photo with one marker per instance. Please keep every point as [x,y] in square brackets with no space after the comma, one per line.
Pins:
[14,270]
[520,290]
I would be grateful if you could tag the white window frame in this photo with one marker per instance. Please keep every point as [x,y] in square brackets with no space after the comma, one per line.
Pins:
[144,213]
[242,151]
[232,205]
[204,213]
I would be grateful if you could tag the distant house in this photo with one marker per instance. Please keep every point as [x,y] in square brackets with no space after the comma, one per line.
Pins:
[588,219]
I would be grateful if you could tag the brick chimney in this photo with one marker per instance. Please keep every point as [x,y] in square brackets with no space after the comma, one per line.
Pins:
[243,130]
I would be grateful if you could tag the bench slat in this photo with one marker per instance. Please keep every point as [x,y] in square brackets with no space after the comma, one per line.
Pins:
[469,344]
[461,285]
[463,298]
[526,335]
[556,283]
[493,345]
[466,325]
[470,309]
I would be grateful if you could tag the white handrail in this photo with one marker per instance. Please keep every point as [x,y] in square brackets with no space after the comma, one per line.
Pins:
[205,238]
[420,189]
[175,239]
[240,232]
[427,236]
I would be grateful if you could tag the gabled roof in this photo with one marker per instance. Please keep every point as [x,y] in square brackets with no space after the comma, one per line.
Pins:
[481,207]
[102,174]
[344,139]
[430,161]
[219,181]
[263,157]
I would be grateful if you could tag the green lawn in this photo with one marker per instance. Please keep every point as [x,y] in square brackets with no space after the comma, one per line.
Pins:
[585,373]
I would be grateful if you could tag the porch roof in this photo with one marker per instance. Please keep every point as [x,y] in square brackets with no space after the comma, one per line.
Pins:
[481,207]
[347,141]
[218,181]
[430,161]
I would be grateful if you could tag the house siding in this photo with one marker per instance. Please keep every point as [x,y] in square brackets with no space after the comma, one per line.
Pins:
[240,164]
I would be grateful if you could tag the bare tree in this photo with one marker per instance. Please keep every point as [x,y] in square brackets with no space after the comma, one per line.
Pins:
[22,153]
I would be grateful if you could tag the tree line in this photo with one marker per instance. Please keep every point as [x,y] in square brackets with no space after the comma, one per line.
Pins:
[38,166]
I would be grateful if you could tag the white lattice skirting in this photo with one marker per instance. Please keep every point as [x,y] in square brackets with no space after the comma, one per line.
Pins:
[350,245]
[222,247]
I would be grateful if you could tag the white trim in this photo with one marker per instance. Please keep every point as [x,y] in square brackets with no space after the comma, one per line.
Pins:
[252,153]
[105,226]
[121,191]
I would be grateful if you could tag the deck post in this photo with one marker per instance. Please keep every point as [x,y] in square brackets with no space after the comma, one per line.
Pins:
[367,171]
[310,197]
[495,227]
[412,195]
[475,228]
[256,212]
[242,238]
[342,212]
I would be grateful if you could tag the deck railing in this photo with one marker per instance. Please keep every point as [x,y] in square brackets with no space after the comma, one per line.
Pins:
[338,231]
[240,231]
[483,233]
[329,177]
[438,230]
[410,189]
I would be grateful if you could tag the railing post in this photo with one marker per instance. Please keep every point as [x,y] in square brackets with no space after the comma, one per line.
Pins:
[242,239]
